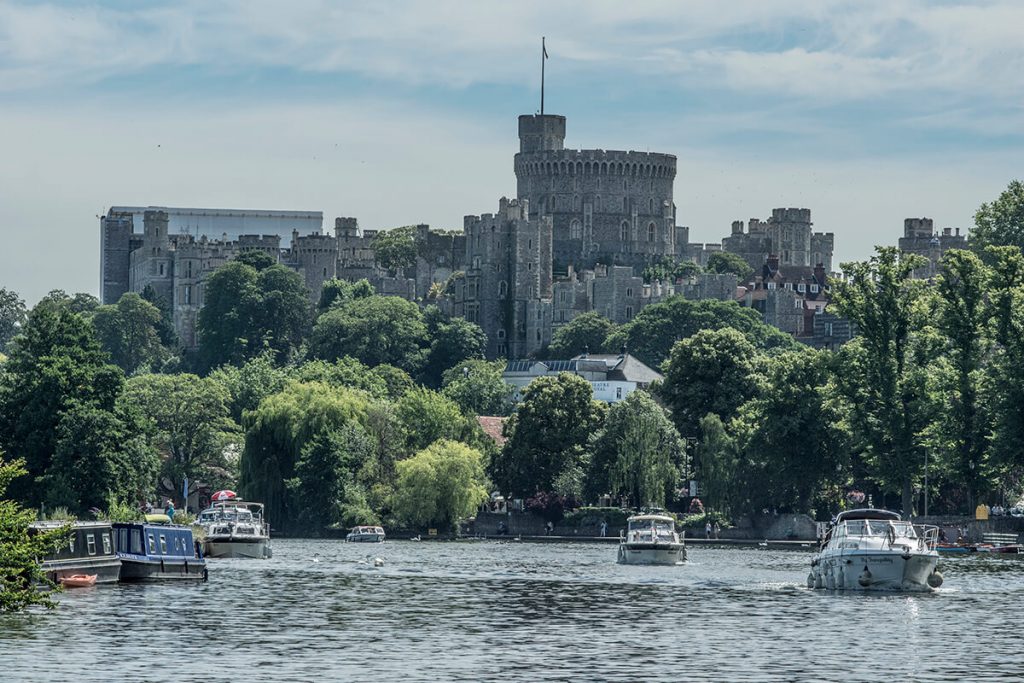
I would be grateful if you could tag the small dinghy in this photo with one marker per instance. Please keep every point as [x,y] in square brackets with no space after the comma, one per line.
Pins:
[78,580]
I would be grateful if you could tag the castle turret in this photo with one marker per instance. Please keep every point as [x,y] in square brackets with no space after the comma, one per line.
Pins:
[541,132]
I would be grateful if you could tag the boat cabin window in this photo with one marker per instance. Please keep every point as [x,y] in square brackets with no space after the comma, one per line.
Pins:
[856,528]
[163,544]
[106,544]
[71,544]
[137,541]
[152,544]
[90,540]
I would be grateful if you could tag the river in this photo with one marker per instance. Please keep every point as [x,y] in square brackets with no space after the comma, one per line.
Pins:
[507,611]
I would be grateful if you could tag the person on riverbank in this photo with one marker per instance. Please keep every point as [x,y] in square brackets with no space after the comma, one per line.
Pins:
[718,530]
[707,530]
[604,528]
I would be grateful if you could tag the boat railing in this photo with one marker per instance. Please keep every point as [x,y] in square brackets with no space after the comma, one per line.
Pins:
[929,535]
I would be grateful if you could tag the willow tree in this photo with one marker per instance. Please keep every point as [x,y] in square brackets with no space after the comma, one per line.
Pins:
[1006,295]
[440,485]
[883,389]
[277,431]
[638,453]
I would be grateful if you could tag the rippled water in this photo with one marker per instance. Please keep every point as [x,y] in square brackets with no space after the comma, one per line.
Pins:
[521,612]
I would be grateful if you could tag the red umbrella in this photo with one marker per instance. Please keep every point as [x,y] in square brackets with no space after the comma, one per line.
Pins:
[226,494]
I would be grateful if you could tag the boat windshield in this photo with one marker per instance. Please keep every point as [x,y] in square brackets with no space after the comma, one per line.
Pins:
[664,528]
[878,527]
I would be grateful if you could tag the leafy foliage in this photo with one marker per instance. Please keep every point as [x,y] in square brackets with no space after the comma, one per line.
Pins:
[586,332]
[440,485]
[1000,222]
[478,388]
[395,249]
[12,315]
[725,262]
[129,332]
[374,330]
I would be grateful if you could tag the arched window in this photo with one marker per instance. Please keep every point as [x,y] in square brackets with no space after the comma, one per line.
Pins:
[652,232]
[502,288]
[652,205]
[624,231]
[575,230]
[625,205]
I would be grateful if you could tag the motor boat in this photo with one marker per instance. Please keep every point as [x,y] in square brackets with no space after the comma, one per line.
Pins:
[868,549]
[651,539]
[366,534]
[235,528]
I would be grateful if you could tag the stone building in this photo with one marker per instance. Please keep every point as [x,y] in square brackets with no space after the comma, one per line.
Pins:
[605,206]
[507,285]
[788,234]
[920,237]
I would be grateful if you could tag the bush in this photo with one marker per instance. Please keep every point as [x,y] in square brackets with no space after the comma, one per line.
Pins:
[122,512]
[700,519]
[593,516]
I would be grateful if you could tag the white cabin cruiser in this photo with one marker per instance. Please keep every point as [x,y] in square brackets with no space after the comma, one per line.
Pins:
[366,534]
[651,539]
[235,528]
[871,549]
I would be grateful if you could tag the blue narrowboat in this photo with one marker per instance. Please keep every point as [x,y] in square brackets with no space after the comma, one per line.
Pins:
[158,552]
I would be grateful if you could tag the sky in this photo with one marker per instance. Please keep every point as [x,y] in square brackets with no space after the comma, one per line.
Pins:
[405,112]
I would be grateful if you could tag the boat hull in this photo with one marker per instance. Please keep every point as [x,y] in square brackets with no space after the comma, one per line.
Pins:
[652,553]
[258,549]
[873,571]
[365,538]
[169,569]
[106,569]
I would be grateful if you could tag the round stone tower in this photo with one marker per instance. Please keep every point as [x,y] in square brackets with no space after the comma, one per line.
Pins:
[606,206]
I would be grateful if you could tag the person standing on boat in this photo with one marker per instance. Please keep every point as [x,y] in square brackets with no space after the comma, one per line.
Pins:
[170,510]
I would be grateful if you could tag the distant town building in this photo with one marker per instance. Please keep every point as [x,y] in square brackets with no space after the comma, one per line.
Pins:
[612,377]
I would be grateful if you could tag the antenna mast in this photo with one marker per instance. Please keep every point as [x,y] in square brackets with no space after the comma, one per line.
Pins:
[543,58]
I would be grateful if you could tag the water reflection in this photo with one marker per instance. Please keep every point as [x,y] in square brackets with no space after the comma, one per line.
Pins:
[519,611]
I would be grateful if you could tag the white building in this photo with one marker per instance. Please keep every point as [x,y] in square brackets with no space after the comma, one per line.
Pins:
[612,377]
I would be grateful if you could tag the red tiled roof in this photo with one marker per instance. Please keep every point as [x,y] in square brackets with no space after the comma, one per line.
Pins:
[493,425]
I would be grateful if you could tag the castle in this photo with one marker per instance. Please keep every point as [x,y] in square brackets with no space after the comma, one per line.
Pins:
[583,225]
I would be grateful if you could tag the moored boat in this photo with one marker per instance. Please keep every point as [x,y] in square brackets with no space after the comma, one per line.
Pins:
[869,549]
[235,528]
[158,552]
[651,539]
[366,534]
[88,551]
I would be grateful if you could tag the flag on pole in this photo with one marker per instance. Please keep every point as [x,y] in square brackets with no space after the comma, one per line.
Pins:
[544,48]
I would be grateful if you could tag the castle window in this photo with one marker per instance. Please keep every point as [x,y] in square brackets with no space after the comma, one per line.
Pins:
[540,314]
[801,287]
[529,266]
[575,203]
[624,231]
[575,230]
[651,205]
[771,285]
[629,292]
[325,272]
[597,202]
[161,269]
[798,303]
[501,349]
[189,268]
[188,294]
[652,232]
[538,335]
[814,289]
[629,312]
[501,334]
[624,185]
[789,286]
[625,205]
[502,288]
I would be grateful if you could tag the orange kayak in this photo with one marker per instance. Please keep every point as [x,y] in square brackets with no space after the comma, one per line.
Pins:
[78,580]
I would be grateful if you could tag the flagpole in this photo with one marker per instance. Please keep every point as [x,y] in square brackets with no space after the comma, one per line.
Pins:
[543,58]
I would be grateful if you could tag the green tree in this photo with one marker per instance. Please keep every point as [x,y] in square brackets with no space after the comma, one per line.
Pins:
[327,476]
[724,262]
[76,303]
[884,392]
[100,456]
[395,249]
[440,485]
[1000,222]
[375,330]
[258,259]
[478,388]
[790,435]
[547,434]
[716,465]
[165,328]
[585,332]
[128,331]
[451,342]
[395,380]
[651,334]
[192,427]
[21,575]
[962,318]
[12,315]
[638,453]
[246,311]
[427,416]
[250,383]
[710,372]
[1006,291]
[344,372]
[336,290]
[277,431]
[54,363]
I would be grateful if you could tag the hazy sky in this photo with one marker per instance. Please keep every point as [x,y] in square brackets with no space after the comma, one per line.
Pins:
[405,112]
